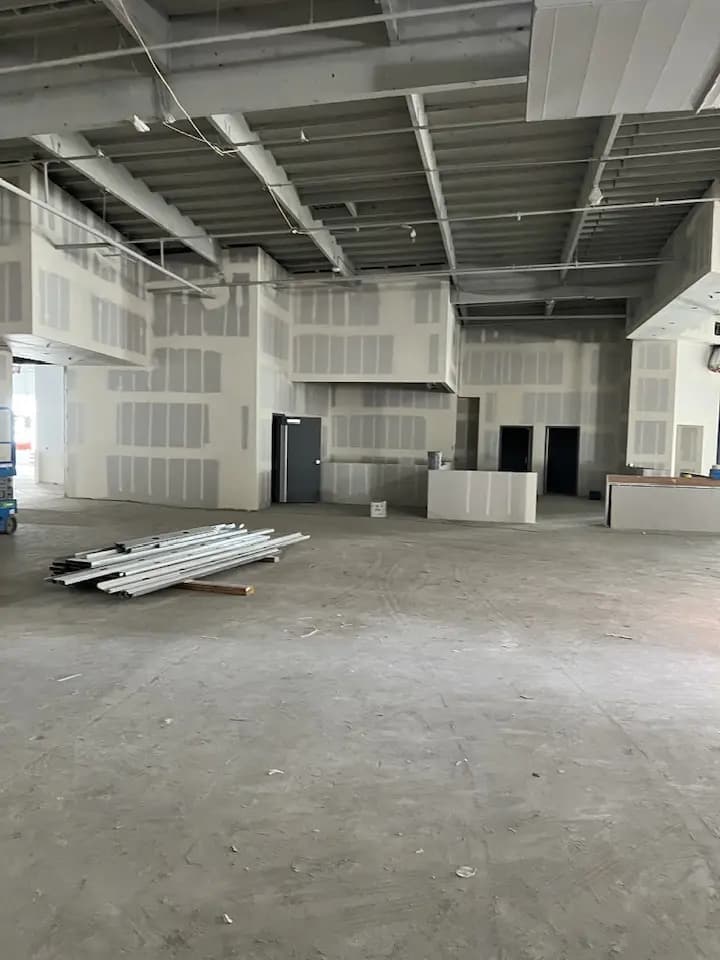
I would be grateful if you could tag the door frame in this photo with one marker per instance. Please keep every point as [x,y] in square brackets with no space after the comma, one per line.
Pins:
[547,455]
[531,438]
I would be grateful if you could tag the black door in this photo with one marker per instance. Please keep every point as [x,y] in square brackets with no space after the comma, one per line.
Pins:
[296,459]
[516,449]
[561,464]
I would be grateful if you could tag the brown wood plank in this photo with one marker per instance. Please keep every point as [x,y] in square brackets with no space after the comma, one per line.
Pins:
[664,481]
[208,586]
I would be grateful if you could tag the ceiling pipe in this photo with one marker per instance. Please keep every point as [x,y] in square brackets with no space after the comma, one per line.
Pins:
[359,227]
[324,281]
[262,34]
[94,231]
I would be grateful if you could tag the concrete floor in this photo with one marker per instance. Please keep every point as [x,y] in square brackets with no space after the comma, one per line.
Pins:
[540,704]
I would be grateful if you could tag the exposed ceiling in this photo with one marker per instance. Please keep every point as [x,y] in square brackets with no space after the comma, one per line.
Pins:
[387,143]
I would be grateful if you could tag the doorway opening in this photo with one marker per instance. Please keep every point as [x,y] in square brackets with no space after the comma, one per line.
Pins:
[296,454]
[516,449]
[562,458]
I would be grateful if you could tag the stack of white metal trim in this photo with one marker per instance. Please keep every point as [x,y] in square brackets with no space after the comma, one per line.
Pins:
[133,568]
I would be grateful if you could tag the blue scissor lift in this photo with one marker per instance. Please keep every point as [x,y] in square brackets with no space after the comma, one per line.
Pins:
[8,503]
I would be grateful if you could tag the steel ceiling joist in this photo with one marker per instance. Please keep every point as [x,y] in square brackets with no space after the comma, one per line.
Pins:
[120,183]
[418,116]
[233,128]
[609,128]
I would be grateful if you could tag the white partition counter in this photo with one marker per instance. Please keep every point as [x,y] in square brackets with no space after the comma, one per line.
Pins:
[490,496]
[670,504]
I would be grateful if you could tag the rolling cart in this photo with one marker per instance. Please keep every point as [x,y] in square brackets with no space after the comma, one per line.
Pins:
[8,503]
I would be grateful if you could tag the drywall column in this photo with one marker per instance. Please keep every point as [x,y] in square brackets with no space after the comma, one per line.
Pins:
[651,412]
[49,424]
[673,415]
[697,400]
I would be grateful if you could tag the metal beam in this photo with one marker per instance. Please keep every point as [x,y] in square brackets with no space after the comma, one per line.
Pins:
[418,116]
[419,121]
[139,17]
[607,134]
[234,129]
[267,84]
[527,288]
[119,182]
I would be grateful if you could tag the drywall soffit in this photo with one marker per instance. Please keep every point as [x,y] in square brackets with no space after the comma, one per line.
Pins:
[606,57]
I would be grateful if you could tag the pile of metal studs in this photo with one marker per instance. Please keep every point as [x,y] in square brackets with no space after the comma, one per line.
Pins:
[133,568]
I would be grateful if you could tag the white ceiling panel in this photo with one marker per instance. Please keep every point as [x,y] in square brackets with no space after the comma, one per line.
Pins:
[598,57]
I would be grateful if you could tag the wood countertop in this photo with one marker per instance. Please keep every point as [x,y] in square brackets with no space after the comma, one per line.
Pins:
[664,481]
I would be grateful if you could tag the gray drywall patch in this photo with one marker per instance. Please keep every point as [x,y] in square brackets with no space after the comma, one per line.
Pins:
[158,479]
[307,308]
[244,427]
[158,375]
[210,483]
[370,355]
[337,355]
[160,315]
[304,353]
[193,426]
[141,477]
[386,346]
[421,303]
[176,481]
[434,353]
[193,371]
[9,218]
[322,307]
[54,300]
[212,370]
[206,424]
[355,432]
[126,475]
[142,424]
[125,431]
[176,425]
[340,431]
[158,425]
[354,354]
[406,433]
[176,371]
[322,358]
[193,317]
[393,432]
[10,292]
[193,481]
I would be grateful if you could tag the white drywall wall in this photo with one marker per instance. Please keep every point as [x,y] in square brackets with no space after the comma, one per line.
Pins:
[386,333]
[85,297]
[183,430]
[49,423]
[387,429]
[276,392]
[6,386]
[651,411]
[15,276]
[546,374]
